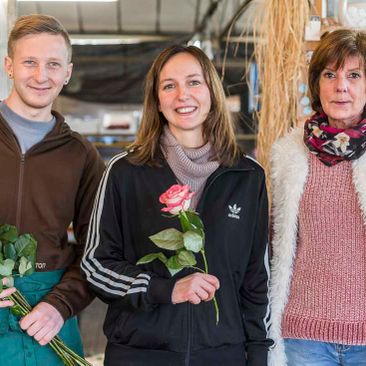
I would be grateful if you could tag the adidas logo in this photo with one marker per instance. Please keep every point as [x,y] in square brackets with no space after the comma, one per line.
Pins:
[234,211]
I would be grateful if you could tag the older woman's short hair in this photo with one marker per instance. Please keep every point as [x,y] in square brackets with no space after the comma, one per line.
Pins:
[334,48]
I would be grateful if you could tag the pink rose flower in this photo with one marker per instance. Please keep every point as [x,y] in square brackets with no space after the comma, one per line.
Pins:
[177,198]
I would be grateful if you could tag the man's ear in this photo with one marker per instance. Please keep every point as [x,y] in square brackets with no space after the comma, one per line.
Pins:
[69,70]
[8,66]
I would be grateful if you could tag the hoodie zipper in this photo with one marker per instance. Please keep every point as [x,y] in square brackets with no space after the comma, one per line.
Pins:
[20,191]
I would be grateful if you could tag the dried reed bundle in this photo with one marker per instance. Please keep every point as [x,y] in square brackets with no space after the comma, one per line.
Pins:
[279,30]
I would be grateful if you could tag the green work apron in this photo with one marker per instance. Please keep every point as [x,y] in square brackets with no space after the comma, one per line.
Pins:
[19,349]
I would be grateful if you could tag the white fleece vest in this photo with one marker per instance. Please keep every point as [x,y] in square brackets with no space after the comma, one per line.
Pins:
[289,170]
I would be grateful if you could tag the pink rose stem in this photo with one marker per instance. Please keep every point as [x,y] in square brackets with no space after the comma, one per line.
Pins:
[183,213]
[214,298]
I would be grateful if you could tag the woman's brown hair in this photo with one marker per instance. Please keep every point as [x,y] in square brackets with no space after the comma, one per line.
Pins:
[218,127]
[334,48]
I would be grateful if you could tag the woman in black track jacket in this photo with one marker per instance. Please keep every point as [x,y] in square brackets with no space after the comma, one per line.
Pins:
[153,318]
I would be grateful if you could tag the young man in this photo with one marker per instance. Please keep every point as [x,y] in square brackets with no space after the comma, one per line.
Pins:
[49,178]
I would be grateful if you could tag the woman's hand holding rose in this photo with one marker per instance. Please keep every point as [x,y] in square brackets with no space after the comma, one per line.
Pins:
[195,288]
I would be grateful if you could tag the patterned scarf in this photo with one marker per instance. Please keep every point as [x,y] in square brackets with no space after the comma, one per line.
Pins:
[333,145]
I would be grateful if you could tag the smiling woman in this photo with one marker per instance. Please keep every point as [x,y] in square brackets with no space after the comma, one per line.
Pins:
[184,99]
[160,317]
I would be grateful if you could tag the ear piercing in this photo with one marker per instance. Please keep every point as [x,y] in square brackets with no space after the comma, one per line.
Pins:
[10,75]
[66,82]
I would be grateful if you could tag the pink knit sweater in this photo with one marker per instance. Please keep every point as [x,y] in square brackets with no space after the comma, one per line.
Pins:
[327,300]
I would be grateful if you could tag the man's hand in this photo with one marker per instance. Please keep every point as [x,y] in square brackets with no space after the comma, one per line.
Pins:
[195,288]
[5,293]
[42,323]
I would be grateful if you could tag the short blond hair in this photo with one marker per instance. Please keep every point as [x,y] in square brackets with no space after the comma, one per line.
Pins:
[37,24]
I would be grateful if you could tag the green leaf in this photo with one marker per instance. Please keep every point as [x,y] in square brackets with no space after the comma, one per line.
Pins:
[184,222]
[30,270]
[173,265]
[195,220]
[24,266]
[6,268]
[21,251]
[8,233]
[151,257]
[193,241]
[25,245]
[10,252]
[174,271]
[186,258]
[171,239]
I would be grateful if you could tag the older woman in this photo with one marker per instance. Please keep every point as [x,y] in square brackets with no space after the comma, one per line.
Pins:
[155,319]
[319,216]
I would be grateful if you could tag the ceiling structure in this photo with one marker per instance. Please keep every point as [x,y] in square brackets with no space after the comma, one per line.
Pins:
[128,34]
[157,18]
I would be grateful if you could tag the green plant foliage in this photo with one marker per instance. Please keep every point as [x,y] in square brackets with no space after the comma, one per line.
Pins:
[6,267]
[10,252]
[17,258]
[194,220]
[17,254]
[25,267]
[8,233]
[171,239]
[193,241]
[186,258]
[185,243]
[173,265]
[25,245]
[151,257]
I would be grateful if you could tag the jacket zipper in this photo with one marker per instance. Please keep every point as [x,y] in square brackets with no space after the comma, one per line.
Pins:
[189,331]
[209,184]
[189,307]
[20,191]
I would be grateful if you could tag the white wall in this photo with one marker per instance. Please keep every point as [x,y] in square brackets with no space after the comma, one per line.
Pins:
[7,18]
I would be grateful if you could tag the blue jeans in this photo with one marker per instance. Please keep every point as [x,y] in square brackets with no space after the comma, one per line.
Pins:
[301,352]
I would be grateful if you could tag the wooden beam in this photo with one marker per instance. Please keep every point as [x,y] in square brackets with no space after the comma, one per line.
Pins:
[319,8]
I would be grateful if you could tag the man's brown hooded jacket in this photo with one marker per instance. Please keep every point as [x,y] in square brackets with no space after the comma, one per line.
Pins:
[44,190]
